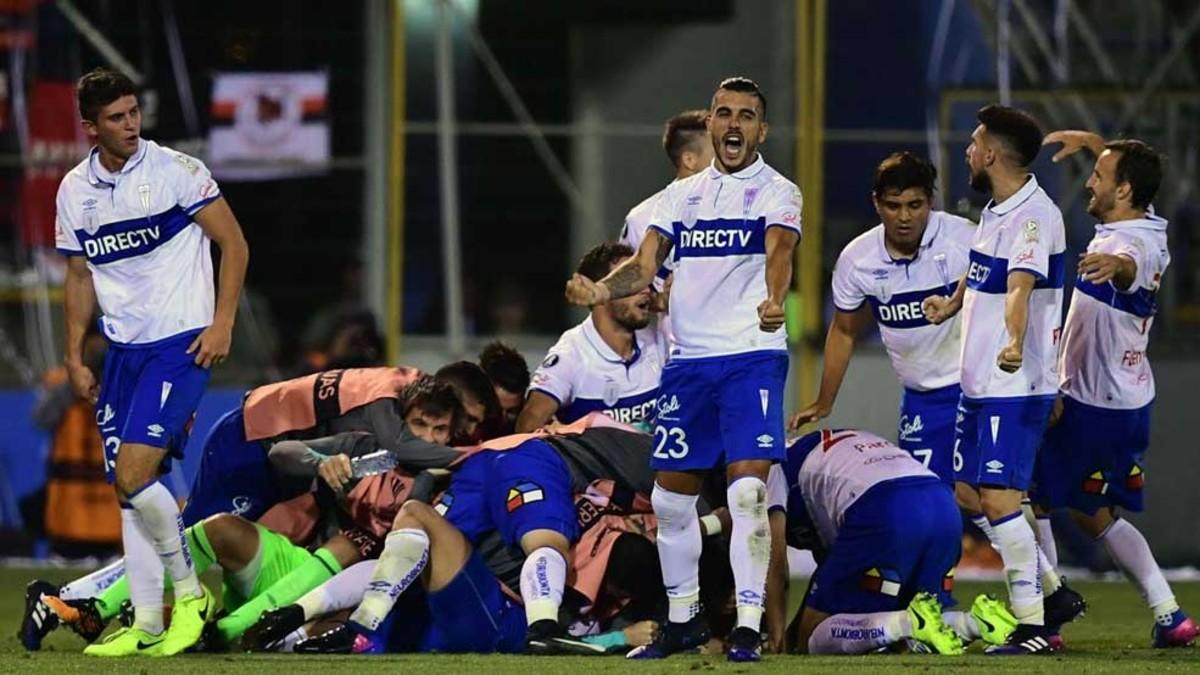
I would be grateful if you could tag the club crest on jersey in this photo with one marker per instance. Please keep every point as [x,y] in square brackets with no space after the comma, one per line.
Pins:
[612,392]
[525,492]
[884,292]
[748,200]
[882,581]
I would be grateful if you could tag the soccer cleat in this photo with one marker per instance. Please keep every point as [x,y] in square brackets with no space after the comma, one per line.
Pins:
[1063,606]
[127,642]
[187,622]
[745,645]
[341,639]
[674,638]
[272,627]
[1181,632]
[80,616]
[547,638]
[39,619]
[995,622]
[928,627]
[1027,640]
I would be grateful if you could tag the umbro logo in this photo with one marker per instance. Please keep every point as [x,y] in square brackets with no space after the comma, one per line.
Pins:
[995,466]
[155,430]
[765,441]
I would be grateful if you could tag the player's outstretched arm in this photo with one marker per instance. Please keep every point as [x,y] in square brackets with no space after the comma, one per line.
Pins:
[940,308]
[1016,319]
[538,411]
[631,276]
[218,222]
[1073,141]
[839,348]
[780,243]
[79,303]
[1101,268]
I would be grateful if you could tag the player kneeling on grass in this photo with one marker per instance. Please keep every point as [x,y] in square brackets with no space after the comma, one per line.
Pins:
[888,534]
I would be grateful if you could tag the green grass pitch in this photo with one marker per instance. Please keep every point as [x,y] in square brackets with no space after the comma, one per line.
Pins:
[1112,638]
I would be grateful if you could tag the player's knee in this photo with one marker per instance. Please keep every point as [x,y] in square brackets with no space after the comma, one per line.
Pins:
[1094,524]
[413,514]
[234,540]
[748,498]
[674,511]
[131,481]
[531,541]
[967,497]
[997,504]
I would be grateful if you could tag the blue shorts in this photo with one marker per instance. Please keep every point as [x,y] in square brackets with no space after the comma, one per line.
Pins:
[234,476]
[148,395]
[996,440]
[901,538]
[470,614]
[513,492]
[926,428]
[717,411]
[1094,458]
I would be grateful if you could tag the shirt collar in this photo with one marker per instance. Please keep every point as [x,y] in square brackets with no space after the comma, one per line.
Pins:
[1150,222]
[98,174]
[932,229]
[749,172]
[592,335]
[1017,198]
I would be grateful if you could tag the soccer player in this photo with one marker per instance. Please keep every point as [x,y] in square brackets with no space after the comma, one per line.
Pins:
[915,252]
[1011,301]
[1093,457]
[510,378]
[887,534]
[481,408]
[611,362]
[733,229]
[135,220]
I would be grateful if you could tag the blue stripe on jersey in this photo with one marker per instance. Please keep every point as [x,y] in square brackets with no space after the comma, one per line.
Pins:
[627,409]
[1141,303]
[129,238]
[721,237]
[990,275]
[903,310]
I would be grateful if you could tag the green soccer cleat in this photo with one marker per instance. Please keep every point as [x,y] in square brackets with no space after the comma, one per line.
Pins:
[188,618]
[929,628]
[127,642]
[995,622]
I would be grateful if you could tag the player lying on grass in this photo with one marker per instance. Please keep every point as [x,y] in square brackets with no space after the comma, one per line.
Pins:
[887,533]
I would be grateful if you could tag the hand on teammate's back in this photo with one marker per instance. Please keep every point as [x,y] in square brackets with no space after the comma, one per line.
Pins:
[813,413]
[335,471]
[770,316]
[212,345]
[83,382]
[585,292]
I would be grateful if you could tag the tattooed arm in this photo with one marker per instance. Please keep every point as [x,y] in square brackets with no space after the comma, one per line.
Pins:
[631,276]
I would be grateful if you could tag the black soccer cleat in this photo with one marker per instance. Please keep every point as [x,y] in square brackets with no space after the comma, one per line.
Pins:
[1063,606]
[1028,640]
[38,619]
[272,627]
[81,616]
[341,639]
[745,645]
[674,638]
[547,638]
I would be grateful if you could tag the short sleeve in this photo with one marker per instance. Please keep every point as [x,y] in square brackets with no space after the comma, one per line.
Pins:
[194,185]
[1029,250]
[847,296]
[663,215]
[785,207]
[1151,261]
[555,377]
[64,231]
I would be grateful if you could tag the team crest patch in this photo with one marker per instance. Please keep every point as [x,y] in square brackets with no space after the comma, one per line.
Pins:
[1136,478]
[1031,230]
[1095,484]
[525,492]
[948,581]
[879,580]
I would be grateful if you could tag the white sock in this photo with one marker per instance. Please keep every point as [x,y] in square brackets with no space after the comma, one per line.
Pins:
[749,547]
[288,644]
[159,514]
[543,577]
[963,624]
[982,523]
[144,570]
[1129,550]
[1050,579]
[344,591]
[95,583]
[1045,537]
[859,633]
[1019,550]
[679,546]
[405,555]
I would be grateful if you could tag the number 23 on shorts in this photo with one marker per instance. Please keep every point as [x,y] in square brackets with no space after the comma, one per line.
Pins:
[670,443]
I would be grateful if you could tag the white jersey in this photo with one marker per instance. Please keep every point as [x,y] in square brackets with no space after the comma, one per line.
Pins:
[718,225]
[585,375]
[833,469]
[1025,232]
[924,355]
[151,263]
[1103,361]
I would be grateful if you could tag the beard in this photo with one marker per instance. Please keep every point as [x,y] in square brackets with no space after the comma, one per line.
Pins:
[1098,206]
[981,182]
[631,322]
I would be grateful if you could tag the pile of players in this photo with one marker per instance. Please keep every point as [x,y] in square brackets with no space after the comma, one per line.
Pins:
[384,510]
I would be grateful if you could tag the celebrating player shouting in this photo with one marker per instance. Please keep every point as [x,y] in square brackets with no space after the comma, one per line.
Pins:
[135,220]
[733,229]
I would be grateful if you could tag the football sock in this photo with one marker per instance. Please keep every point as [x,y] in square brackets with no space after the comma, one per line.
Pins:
[963,624]
[159,515]
[1045,537]
[679,546]
[749,547]
[344,591]
[859,633]
[1018,549]
[1129,550]
[405,555]
[144,573]
[543,577]
[93,584]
